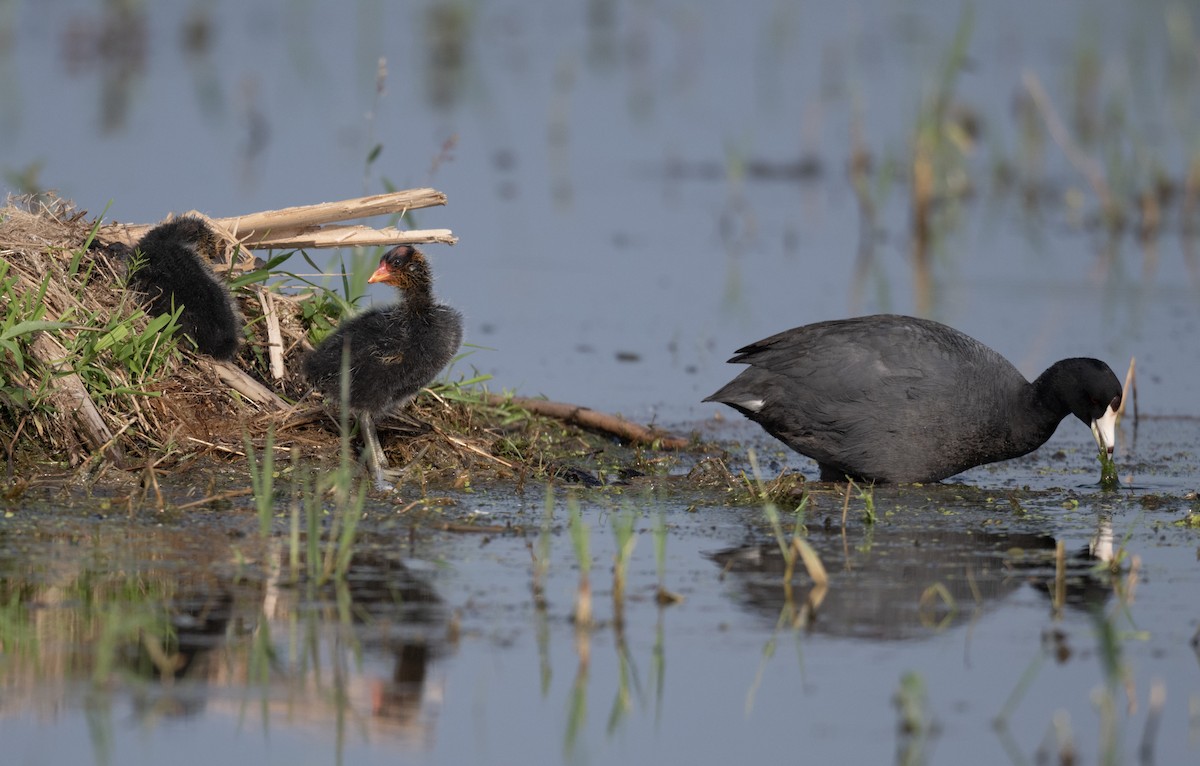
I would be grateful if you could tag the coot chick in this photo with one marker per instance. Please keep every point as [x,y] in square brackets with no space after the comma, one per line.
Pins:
[174,270]
[895,399]
[393,351]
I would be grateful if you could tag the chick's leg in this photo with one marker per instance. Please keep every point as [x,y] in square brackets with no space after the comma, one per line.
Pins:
[373,452]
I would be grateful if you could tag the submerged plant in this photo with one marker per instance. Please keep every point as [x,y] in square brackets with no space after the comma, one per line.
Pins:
[541,555]
[914,728]
[662,595]
[583,557]
[1108,472]
[622,525]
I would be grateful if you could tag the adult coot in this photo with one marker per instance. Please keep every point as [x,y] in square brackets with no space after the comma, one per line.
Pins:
[171,266]
[392,351]
[895,399]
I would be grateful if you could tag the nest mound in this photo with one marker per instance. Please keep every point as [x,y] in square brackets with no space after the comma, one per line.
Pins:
[85,374]
[88,380]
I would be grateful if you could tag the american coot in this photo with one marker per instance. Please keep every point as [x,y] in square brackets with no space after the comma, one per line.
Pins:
[896,399]
[394,351]
[174,271]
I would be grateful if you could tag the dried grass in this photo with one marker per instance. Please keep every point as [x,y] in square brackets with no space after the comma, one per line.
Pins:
[46,237]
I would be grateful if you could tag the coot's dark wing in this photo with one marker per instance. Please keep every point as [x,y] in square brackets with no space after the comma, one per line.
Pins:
[875,397]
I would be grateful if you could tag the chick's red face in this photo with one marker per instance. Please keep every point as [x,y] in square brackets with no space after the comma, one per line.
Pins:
[381,274]
[395,265]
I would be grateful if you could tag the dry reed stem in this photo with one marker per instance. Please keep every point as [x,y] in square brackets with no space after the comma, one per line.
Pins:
[70,397]
[351,236]
[1060,576]
[342,210]
[302,227]
[583,604]
[1130,387]
[245,385]
[812,562]
[274,336]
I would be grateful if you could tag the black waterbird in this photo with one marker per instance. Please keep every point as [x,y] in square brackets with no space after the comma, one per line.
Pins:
[392,351]
[171,266]
[892,398]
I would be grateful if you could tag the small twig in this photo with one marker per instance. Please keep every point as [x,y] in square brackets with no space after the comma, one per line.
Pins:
[228,495]
[472,448]
[476,528]
[217,447]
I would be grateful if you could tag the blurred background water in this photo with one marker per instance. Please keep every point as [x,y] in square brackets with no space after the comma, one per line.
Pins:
[641,187]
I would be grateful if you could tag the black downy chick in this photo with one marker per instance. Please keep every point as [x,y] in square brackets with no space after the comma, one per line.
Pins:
[174,270]
[393,351]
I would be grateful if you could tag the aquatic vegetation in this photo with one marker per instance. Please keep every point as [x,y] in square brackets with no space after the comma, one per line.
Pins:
[914,726]
[662,596]
[623,532]
[541,554]
[866,495]
[580,542]
[262,480]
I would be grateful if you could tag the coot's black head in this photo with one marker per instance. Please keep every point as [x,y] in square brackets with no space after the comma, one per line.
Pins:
[1095,389]
[1091,390]
[403,267]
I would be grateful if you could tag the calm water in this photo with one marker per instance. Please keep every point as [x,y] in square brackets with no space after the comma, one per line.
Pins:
[435,651]
[626,182]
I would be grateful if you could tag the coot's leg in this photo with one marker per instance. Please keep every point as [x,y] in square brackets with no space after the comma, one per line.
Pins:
[373,451]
